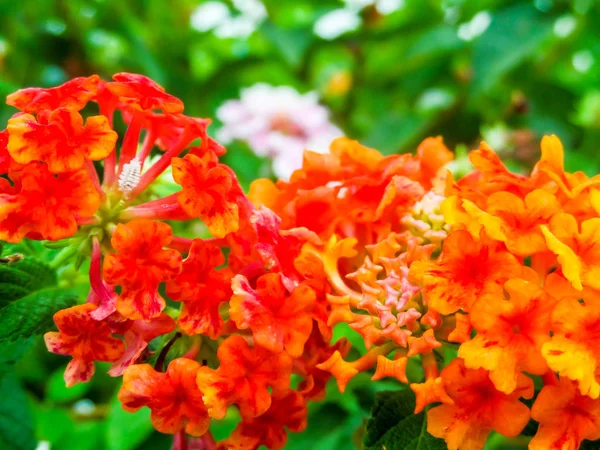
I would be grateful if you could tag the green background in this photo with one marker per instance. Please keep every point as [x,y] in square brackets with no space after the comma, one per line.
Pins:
[534,70]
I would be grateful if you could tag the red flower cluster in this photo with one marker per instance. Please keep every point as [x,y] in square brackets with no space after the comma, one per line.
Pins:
[248,320]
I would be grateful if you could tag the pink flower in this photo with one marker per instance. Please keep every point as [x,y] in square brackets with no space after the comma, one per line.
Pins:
[278,122]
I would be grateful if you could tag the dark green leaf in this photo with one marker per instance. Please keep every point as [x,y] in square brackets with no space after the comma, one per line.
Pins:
[394,426]
[16,423]
[32,314]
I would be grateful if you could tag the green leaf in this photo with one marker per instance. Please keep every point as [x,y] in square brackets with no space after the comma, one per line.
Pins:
[32,314]
[515,34]
[16,422]
[124,430]
[291,44]
[394,426]
[57,391]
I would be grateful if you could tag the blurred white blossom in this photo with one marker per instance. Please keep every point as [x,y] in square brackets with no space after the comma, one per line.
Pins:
[279,123]
[475,27]
[337,22]
[342,20]
[225,23]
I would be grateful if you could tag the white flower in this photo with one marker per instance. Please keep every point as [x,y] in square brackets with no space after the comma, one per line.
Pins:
[475,27]
[341,21]
[336,23]
[279,123]
[217,16]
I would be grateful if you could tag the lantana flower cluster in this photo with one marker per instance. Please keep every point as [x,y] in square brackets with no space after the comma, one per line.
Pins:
[502,268]
[193,326]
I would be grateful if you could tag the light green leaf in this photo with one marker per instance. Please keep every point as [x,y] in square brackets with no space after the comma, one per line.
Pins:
[124,430]
[57,391]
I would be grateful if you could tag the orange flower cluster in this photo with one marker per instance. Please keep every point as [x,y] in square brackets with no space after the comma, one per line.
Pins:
[519,269]
[502,268]
[376,216]
[243,324]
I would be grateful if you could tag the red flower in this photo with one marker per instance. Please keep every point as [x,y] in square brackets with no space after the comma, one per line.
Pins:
[210,191]
[60,139]
[287,411]
[85,339]
[74,94]
[278,320]
[173,396]
[243,378]
[202,289]
[140,266]
[142,94]
[47,204]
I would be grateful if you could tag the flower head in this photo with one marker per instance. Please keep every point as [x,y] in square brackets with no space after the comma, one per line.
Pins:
[278,319]
[243,378]
[173,397]
[277,122]
[83,338]
[201,288]
[478,408]
[46,204]
[59,138]
[140,265]
[73,94]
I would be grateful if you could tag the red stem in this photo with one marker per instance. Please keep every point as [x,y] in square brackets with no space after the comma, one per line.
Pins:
[147,146]
[101,290]
[157,168]
[131,140]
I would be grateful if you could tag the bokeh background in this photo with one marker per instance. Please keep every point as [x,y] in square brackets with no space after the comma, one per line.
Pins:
[391,72]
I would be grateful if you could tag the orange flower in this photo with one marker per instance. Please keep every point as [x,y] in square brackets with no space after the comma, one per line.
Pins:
[565,416]
[354,191]
[287,411]
[514,221]
[478,408]
[85,339]
[466,270]
[60,139]
[278,320]
[140,266]
[243,377]
[202,289]
[209,192]
[573,350]
[173,396]
[510,334]
[140,93]
[73,94]
[47,204]
[278,249]
[577,248]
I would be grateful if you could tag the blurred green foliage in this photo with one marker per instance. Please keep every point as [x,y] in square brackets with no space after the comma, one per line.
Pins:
[431,67]
[508,71]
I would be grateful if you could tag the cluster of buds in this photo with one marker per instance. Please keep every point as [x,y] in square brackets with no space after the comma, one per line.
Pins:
[193,326]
